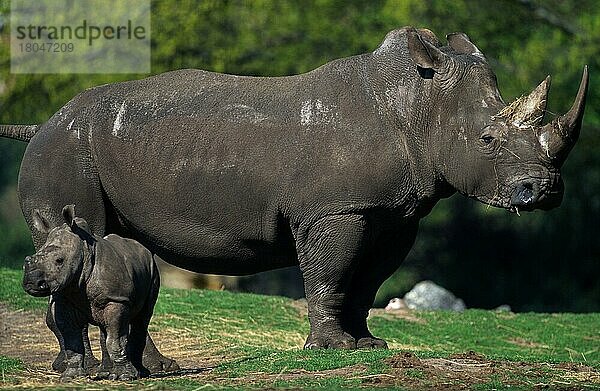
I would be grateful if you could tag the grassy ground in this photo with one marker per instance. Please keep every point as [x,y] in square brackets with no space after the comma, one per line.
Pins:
[224,340]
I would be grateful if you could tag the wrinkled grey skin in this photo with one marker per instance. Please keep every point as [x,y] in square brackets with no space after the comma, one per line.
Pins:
[110,282]
[331,170]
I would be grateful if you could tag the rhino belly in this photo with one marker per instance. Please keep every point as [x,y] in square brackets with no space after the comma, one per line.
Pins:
[198,206]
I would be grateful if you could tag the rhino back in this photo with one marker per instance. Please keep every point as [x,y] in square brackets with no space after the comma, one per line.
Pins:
[123,272]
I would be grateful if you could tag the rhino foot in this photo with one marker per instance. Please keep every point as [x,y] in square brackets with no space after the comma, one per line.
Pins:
[72,373]
[371,343]
[337,341]
[102,375]
[156,363]
[126,372]
[104,370]
[144,372]
[59,364]
[90,363]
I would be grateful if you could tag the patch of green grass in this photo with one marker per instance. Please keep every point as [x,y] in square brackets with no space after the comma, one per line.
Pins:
[231,324]
[312,382]
[267,332]
[175,384]
[9,365]
[416,373]
[257,340]
[515,337]
[12,293]
[266,361]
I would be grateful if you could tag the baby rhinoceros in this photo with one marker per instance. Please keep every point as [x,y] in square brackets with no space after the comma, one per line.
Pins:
[110,282]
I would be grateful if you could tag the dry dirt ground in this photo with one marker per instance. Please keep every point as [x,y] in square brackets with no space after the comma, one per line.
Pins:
[24,335]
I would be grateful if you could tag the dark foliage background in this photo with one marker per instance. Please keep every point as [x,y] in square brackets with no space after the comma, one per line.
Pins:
[543,261]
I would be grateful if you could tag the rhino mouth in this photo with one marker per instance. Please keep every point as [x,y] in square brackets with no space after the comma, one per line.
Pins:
[528,194]
[37,289]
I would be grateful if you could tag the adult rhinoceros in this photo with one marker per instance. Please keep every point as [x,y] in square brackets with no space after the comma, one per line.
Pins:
[331,170]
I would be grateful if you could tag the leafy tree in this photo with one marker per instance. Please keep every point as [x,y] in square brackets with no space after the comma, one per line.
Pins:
[540,261]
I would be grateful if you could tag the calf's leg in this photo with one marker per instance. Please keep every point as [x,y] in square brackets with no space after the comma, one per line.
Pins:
[107,364]
[117,317]
[70,327]
[90,363]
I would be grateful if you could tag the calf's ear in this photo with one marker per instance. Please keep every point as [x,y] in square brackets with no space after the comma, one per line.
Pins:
[78,225]
[39,222]
[68,214]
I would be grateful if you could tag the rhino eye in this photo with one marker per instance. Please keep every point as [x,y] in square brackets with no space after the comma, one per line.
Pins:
[59,261]
[486,138]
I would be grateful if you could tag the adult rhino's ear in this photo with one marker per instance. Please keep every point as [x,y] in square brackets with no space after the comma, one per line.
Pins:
[424,53]
[461,43]
[68,214]
[39,222]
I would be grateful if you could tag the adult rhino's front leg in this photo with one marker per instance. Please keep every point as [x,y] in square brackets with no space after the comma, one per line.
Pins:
[387,246]
[328,253]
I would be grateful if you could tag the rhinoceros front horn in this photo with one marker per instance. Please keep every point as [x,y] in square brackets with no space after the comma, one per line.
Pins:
[558,137]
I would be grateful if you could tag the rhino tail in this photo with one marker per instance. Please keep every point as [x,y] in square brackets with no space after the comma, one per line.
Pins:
[19,132]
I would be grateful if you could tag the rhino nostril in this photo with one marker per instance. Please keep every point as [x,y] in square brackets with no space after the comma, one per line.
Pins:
[526,193]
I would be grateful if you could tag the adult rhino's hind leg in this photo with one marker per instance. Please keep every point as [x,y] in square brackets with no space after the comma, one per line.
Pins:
[68,186]
[328,253]
[57,171]
[154,361]
[54,217]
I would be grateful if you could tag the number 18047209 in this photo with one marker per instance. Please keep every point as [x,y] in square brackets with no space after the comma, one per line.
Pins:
[47,47]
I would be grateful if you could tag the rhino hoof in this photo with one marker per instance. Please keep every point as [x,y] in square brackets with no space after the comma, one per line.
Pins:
[340,341]
[125,372]
[90,363]
[158,363]
[59,364]
[102,375]
[72,373]
[122,377]
[143,372]
[371,343]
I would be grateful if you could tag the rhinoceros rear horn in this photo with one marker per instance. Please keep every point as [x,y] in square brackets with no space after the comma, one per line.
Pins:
[530,110]
[559,136]
[425,54]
